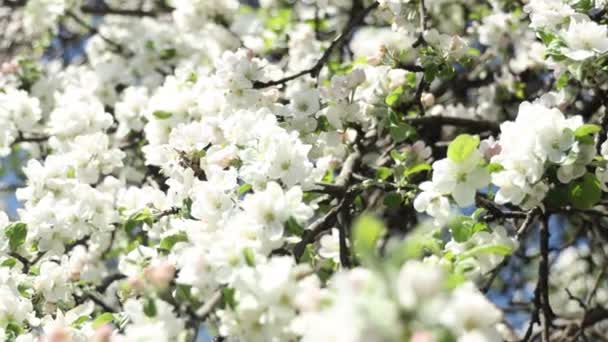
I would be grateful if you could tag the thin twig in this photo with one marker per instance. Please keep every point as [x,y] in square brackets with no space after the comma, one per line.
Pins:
[210,304]
[521,232]
[316,69]
[437,120]
[117,11]
[543,279]
[117,47]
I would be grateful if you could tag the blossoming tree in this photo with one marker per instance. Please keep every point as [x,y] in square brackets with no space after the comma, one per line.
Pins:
[315,170]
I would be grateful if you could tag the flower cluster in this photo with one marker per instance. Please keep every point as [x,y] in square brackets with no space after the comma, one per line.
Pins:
[263,172]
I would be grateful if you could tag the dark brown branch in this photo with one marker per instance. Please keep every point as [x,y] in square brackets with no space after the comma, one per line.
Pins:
[521,232]
[472,124]
[22,139]
[339,189]
[106,307]
[423,24]
[317,227]
[117,11]
[107,281]
[210,305]
[337,43]
[117,47]
[14,3]
[543,279]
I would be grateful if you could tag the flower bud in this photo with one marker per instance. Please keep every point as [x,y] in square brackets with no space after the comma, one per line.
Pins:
[422,336]
[58,333]
[9,68]
[135,283]
[160,275]
[103,333]
[427,99]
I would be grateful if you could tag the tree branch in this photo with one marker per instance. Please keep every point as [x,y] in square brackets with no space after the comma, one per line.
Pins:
[117,11]
[437,120]
[316,69]
[521,232]
[543,279]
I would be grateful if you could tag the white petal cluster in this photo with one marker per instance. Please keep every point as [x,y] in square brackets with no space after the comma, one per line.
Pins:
[19,114]
[544,137]
[190,160]
[358,305]
[264,302]
[585,39]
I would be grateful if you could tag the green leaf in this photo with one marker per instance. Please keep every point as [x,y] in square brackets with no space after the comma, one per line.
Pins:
[367,231]
[420,167]
[142,216]
[586,192]
[394,96]
[71,173]
[79,321]
[249,256]
[293,227]
[228,297]
[16,233]
[558,197]
[587,129]
[398,156]
[382,173]
[323,124]
[326,270]
[411,79]
[244,188]
[562,81]
[462,147]
[415,245]
[454,280]
[464,227]
[10,263]
[168,54]
[278,20]
[24,290]
[546,36]
[487,249]
[150,307]
[13,330]
[494,167]
[401,132]
[102,319]
[168,242]
[186,208]
[309,255]
[162,115]
[393,200]
[183,293]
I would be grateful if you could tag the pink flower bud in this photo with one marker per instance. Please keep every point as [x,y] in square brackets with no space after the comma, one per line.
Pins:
[9,68]
[160,275]
[58,334]
[427,99]
[422,336]
[135,283]
[103,333]
[249,53]
[489,148]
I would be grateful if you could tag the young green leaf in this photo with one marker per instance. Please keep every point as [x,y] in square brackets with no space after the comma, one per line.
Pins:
[462,147]
[102,319]
[168,242]
[586,192]
[16,233]
[367,231]
[587,129]
[162,115]
[394,96]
